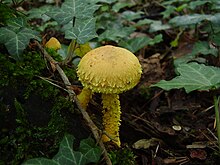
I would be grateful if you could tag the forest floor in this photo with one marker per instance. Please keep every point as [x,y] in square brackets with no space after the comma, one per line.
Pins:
[158,126]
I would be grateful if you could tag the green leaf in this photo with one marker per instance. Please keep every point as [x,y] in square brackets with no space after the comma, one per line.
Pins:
[181,7]
[117,6]
[83,31]
[215,38]
[16,42]
[138,43]
[157,39]
[73,9]
[77,18]
[197,3]
[16,35]
[130,15]
[169,2]
[3,37]
[144,22]
[116,34]
[40,161]
[89,150]
[7,13]
[169,10]
[215,5]
[188,58]
[66,155]
[199,48]
[187,20]
[103,1]
[193,76]
[40,12]
[215,19]
[46,25]
[107,21]
[157,26]
[16,24]
[203,47]
[60,15]
[87,153]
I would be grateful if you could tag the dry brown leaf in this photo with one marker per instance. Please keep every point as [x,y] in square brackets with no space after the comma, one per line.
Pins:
[164,129]
[197,145]
[176,160]
[53,66]
[146,143]
[152,69]
[198,153]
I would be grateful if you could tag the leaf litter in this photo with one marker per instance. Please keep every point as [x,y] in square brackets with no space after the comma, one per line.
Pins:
[184,123]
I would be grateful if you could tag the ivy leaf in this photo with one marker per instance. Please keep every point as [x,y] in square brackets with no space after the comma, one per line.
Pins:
[215,19]
[16,24]
[193,76]
[200,47]
[169,10]
[103,1]
[204,48]
[83,31]
[188,58]
[137,43]
[4,38]
[181,7]
[40,161]
[130,15]
[72,8]
[157,26]
[7,13]
[116,34]
[188,19]
[79,12]
[89,150]
[16,36]
[215,38]
[197,3]
[40,12]
[62,17]
[145,21]
[193,19]
[16,42]
[66,156]
[117,6]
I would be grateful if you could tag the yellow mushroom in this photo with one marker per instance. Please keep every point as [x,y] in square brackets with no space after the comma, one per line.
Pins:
[109,70]
[53,43]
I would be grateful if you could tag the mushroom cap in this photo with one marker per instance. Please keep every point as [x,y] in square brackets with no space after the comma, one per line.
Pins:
[109,69]
[53,43]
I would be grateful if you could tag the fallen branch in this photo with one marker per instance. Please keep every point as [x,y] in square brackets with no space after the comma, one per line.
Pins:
[96,132]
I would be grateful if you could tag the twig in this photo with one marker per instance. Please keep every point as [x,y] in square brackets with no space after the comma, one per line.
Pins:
[90,123]
[54,84]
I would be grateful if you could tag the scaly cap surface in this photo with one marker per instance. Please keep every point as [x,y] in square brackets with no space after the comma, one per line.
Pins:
[109,69]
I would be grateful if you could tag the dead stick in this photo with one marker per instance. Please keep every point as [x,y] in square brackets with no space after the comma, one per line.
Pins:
[90,123]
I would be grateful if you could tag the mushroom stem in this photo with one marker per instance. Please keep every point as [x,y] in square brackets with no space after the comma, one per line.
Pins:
[84,97]
[111,118]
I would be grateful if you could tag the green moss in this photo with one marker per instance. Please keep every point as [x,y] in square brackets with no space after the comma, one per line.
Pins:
[23,94]
[124,156]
